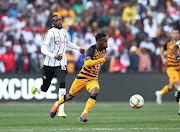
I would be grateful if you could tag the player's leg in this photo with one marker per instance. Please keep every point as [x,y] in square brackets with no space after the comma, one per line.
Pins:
[61,75]
[77,86]
[173,76]
[177,93]
[48,74]
[93,88]
[165,90]
[61,101]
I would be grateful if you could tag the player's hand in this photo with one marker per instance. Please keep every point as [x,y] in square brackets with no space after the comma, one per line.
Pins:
[178,58]
[164,61]
[58,57]
[107,58]
[82,50]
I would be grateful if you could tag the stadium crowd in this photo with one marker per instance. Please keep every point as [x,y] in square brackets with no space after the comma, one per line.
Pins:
[136,30]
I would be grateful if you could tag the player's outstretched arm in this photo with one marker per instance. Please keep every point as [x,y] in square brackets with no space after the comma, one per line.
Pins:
[91,62]
[174,48]
[45,51]
[164,60]
[73,46]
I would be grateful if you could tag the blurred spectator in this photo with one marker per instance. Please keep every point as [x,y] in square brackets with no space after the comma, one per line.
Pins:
[40,57]
[89,37]
[118,66]
[8,19]
[78,40]
[144,61]
[27,34]
[150,48]
[147,45]
[80,62]
[124,57]
[173,10]
[78,8]
[115,44]
[129,13]
[22,40]
[14,11]
[2,67]
[37,39]
[23,62]
[8,60]
[2,47]
[4,6]
[71,61]
[158,63]
[134,59]
[150,27]
[31,47]
[17,49]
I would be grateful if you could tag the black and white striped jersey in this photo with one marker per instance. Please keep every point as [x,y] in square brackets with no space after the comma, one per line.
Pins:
[56,41]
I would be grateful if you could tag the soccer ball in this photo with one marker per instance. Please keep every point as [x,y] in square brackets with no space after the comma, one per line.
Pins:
[136,101]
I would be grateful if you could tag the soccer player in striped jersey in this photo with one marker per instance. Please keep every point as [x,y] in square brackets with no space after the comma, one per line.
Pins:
[87,77]
[177,55]
[173,69]
[54,47]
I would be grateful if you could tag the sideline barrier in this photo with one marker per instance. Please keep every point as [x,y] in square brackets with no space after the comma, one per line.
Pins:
[114,87]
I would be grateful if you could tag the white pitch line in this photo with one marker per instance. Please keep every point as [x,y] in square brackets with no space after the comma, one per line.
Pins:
[96,129]
[25,130]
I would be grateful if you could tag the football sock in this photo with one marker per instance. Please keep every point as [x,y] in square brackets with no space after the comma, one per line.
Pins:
[90,103]
[178,88]
[179,104]
[62,91]
[164,90]
[61,101]
[37,84]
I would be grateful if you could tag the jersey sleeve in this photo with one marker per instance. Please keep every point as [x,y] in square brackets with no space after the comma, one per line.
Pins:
[48,37]
[178,43]
[164,48]
[89,54]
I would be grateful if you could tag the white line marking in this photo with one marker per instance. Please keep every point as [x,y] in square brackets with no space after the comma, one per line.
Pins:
[22,130]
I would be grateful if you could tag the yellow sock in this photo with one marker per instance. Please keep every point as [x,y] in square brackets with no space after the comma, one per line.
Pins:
[164,90]
[61,101]
[90,103]
[179,104]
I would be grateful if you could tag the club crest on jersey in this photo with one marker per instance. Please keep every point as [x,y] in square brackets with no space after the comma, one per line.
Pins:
[57,42]
[97,66]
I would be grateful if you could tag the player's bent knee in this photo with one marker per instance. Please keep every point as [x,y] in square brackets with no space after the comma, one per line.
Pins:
[44,89]
[69,97]
[62,85]
[94,92]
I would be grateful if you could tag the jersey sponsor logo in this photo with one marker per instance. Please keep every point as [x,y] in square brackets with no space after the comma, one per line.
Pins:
[97,66]
[57,42]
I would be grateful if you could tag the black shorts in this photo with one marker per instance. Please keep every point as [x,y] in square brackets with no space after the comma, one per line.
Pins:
[49,73]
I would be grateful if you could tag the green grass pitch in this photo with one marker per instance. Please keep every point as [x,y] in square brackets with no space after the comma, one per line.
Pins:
[113,117]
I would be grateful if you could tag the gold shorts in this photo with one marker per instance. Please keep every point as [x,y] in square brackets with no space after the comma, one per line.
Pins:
[79,85]
[173,75]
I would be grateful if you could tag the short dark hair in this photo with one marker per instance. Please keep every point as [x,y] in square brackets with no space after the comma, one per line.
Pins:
[175,28]
[53,17]
[100,35]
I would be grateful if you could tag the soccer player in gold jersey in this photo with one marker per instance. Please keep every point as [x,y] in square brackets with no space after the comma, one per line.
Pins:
[87,77]
[173,69]
[177,55]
